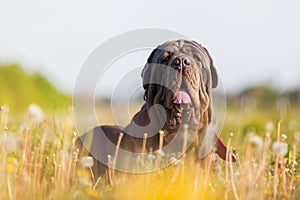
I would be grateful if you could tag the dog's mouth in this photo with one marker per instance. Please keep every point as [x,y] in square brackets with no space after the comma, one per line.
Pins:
[182,97]
[183,109]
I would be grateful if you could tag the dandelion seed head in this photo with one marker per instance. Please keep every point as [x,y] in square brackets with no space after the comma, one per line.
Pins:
[151,157]
[256,142]
[174,161]
[36,113]
[268,140]
[297,136]
[87,161]
[292,125]
[10,142]
[269,126]
[63,154]
[283,137]
[159,153]
[280,148]
[85,181]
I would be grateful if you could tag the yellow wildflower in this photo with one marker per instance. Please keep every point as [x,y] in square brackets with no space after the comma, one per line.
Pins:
[11,159]
[297,177]
[285,195]
[83,173]
[10,167]
[92,192]
[268,192]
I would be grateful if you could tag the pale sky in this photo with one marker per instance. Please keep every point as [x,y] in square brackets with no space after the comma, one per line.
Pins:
[251,41]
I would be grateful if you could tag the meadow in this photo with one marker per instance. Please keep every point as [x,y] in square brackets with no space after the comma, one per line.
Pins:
[37,160]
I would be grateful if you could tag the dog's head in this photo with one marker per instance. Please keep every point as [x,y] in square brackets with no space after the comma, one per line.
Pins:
[180,75]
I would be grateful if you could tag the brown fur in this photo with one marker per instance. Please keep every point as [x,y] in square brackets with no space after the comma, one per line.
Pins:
[199,77]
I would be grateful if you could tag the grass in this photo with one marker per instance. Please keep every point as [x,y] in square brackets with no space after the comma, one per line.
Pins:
[19,88]
[37,161]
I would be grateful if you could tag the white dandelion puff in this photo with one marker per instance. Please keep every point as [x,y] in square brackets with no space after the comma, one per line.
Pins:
[270,126]
[85,181]
[10,142]
[64,155]
[174,161]
[283,137]
[256,142]
[268,140]
[159,153]
[36,113]
[280,148]
[87,161]
[151,157]
[297,136]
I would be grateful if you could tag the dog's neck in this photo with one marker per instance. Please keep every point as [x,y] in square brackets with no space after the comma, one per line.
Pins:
[171,127]
[142,119]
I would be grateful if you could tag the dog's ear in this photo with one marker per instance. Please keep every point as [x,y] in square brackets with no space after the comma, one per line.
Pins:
[146,76]
[152,77]
[151,73]
[213,71]
[152,56]
[146,72]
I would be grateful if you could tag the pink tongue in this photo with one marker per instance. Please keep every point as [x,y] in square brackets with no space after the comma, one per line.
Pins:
[182,97]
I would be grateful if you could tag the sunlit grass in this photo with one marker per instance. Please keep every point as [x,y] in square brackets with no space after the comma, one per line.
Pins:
[38,161]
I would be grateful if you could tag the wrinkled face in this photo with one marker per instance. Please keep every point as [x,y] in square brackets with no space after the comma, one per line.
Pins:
[180,75]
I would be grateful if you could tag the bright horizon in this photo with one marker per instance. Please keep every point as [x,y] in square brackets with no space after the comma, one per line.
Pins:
[251,42]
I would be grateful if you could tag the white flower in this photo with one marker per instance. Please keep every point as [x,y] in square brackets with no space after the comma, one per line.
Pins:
[280,148]
[151,157]
[9,141]
[256,142]
[174,161]
[297,136]
[269,126]
[36,113]
[292,125]
[87,161]
[85,181]
[283,137]
[159,153]
[64,155]
[268,140]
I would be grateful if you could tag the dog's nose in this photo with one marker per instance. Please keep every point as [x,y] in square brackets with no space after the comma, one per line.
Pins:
[177,63]
[186,62]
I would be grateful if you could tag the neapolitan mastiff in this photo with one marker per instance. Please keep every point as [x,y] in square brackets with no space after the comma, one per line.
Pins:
[178,79]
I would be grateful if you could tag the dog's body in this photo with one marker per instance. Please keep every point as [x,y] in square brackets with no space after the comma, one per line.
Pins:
[179,77]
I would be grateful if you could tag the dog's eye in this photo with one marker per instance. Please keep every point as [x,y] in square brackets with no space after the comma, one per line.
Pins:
[166,59]
[166,56]
[197,58]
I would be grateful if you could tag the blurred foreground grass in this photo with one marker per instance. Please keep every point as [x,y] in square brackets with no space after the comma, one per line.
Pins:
[36,162]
